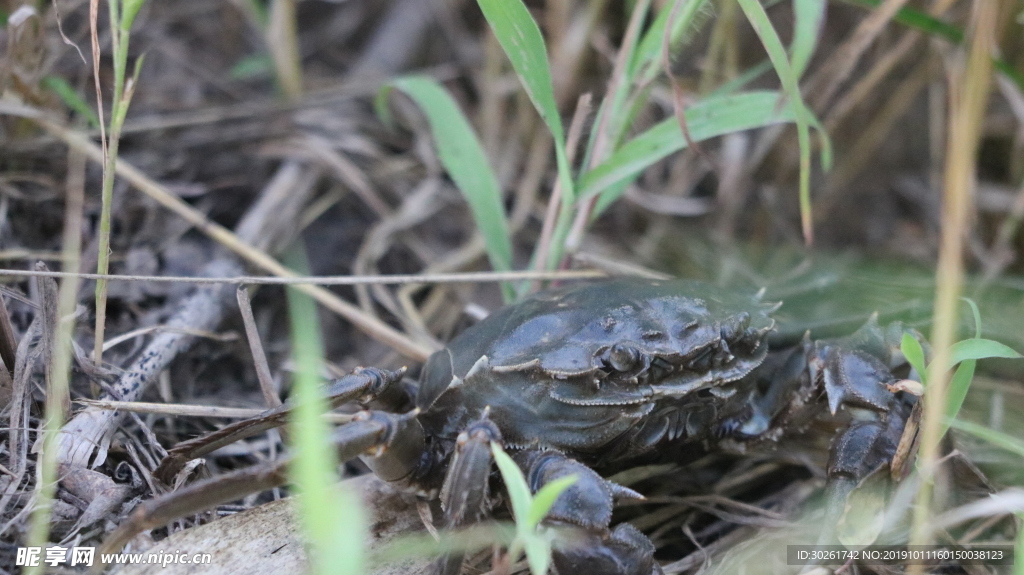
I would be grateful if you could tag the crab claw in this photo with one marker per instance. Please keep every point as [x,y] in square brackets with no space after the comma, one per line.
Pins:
[851,377]
[855,370]
[623,551]
[587,504]
[464,495]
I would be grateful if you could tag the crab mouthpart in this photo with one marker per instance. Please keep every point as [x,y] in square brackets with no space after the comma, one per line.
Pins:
[606,396]
[725,367]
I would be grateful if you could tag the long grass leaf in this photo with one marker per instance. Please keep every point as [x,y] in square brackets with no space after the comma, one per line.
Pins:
[997,438]
[975,314]
[332,517]
[645,63]
[647,60]
[959,384]
[463,156]
[71,99]
[810,15]
[758,19]
[131,9]
[977,348]
[538,554]
[914,353]
[741,81]
[706,119]
[520,38]
[608,123]
[518,491]
[546,497]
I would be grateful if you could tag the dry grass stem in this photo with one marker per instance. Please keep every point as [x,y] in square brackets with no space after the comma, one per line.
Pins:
[188,410]
[555,202]
[870,139]
[844,59]
[395,279]
[283,41]
[373,327]
[259,357]
[970,83]
[61,305]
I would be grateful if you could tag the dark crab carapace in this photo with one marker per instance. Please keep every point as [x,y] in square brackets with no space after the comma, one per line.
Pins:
[582,379]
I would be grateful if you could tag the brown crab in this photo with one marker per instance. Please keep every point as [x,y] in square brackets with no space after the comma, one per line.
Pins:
[584,380]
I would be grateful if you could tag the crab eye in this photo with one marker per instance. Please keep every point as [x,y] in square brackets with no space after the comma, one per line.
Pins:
[623,357]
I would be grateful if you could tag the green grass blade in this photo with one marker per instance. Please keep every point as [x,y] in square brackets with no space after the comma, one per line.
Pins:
[645,63]
[332,517]
[976,314]
[463,156]
[647,60]
[914,353]
[741,81]
[758,19]
[958,387]
[131,9]
[71,99]
[918,20]
[520,38]
[546,497]
[706,119]
[538,554]
[810,15]
[977,348]
[515,484]
[999,439]
[610,118]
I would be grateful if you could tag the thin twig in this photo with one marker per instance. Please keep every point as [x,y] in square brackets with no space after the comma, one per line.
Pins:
[466,277]
[188,410]
[230,336]
[259,357]
[372,326]
[8,343]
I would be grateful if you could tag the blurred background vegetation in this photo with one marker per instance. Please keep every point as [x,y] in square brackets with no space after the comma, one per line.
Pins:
[228,93]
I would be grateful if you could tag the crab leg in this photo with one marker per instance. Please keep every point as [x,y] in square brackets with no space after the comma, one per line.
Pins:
[855,373]
[363,385]
[464,495]
[861,449]
[370,432]
[587,504]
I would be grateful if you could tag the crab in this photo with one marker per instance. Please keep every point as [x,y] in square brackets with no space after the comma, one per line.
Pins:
[586,380]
